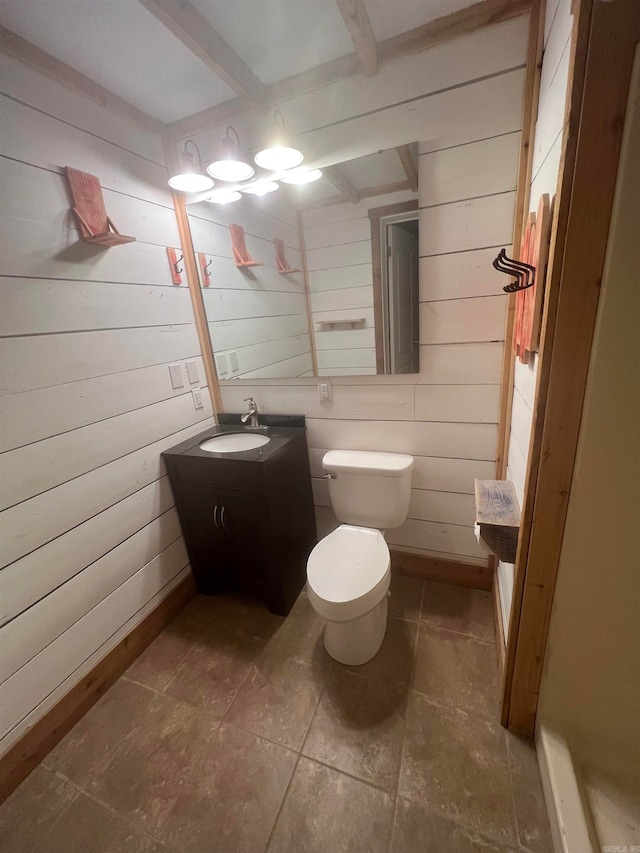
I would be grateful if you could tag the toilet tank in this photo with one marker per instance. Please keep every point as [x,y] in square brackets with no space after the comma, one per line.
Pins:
[369,489]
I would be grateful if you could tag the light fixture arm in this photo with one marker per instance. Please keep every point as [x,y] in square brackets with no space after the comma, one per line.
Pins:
[185,152]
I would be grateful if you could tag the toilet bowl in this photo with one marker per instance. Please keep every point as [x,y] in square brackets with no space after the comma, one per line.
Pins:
[348,576]
[348,572]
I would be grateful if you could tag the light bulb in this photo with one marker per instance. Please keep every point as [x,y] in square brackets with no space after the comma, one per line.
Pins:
[231,170]
[223,197]
[278,157]
[261,188]
[301,176]
[191,182]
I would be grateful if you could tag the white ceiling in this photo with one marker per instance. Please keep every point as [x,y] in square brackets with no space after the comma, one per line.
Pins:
[121,46]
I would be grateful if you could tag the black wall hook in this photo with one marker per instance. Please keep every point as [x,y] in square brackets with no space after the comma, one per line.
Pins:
[525,273]
[175,265]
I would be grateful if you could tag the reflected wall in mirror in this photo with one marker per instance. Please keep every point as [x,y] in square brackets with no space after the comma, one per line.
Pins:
[340,297]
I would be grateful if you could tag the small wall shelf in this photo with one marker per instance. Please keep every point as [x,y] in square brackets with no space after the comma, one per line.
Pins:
[90,212]
[283,267]
[241,256]
[498,515]
[330,324]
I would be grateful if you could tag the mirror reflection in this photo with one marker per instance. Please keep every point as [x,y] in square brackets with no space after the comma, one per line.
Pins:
[315,279]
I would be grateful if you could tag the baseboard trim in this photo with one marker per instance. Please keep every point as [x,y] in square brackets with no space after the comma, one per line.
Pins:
[444,571]
[40,739]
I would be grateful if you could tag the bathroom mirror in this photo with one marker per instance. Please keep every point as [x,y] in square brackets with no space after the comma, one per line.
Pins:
[319,279]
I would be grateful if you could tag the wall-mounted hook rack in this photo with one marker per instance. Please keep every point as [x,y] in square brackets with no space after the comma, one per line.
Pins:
[174,262]
[281,263]
[241,256]
[205,266]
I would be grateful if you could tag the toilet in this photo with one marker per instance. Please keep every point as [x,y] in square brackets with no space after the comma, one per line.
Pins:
[348,572]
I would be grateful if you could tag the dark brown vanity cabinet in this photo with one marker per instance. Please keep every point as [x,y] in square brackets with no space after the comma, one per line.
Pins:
[247,517]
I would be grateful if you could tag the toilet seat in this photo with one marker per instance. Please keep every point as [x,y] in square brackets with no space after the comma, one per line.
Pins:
[348,572]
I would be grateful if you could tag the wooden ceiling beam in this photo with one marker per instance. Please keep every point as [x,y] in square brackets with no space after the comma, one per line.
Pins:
[22,50]
[405,156]
[196,33]
[428,35]
[370,192]
[359,26]
[340,181]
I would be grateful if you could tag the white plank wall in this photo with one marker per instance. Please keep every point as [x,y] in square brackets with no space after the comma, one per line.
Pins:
[447,415]
[256,313]
[546,162]
[338,244]
[90,541]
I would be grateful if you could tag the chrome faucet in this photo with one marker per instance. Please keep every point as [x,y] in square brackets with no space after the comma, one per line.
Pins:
[252,413]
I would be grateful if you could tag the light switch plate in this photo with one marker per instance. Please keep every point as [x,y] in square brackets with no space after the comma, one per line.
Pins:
[196,393]
[192,371]
[234,364]
[177,378]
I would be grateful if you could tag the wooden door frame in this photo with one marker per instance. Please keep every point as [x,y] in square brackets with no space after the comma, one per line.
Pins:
[605,35]
[375,215]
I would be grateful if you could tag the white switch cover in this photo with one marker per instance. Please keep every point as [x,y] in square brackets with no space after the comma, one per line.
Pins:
[192,371]
[197,398]
[175,372]
[221,364]
[324,391]
[234,365]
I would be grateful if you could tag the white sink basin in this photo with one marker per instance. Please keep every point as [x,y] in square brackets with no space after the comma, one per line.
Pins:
[234,442]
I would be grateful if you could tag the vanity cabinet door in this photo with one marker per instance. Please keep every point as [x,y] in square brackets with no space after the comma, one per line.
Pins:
[208,544]
[243,517]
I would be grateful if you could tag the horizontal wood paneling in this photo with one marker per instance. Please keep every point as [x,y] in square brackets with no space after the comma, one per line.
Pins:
[230,334]
[469,170]
[91,541]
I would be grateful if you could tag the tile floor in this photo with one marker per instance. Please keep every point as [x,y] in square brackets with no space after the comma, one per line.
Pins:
[235,732]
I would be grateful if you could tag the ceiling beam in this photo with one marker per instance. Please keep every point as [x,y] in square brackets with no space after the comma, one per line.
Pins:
[357,22]
[22,50]
[406,158]
[196,33]
[340,181]
[428,35]
[370,192]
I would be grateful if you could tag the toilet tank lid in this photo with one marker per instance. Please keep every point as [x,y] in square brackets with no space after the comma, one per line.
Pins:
[367,462]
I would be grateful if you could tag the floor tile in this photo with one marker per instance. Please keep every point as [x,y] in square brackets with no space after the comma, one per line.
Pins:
[278,699]
[458,608]
[456,670]
[300,635]
[213,671]
[87,827]
[232,797]
[358,728]
[145,777]
[32,810]
[325,811]
[232,613]
[417,830]
[406,597]
[159,661]
[456,764]
[90,745]
[394,661]
[531,813]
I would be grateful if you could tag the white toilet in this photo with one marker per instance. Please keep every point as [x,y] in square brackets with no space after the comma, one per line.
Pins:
[348,572]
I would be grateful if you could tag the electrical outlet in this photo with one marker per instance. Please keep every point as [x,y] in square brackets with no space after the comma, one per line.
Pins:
[196,393]
[177,379]
[234,364]
[324,391]
[221,364]
[192,371]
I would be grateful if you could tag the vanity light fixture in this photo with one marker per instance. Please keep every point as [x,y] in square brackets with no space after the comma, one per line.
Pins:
[260,187]
[231,166]
[301,176]
[191,179]
[278,153]
[223,197]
